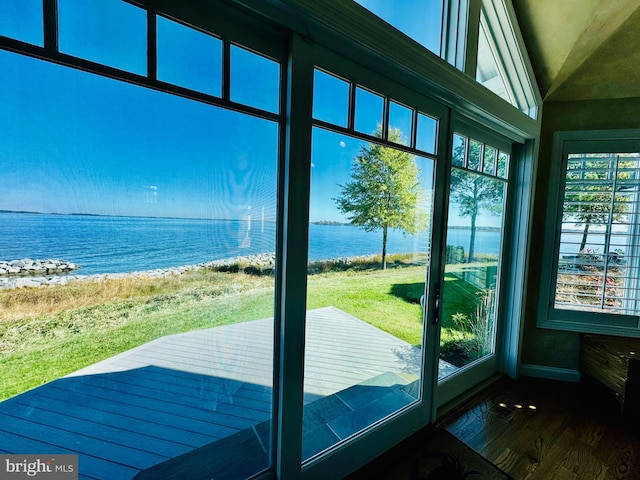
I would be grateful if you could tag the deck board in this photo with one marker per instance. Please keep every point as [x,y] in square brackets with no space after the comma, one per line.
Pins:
[108,433]
[108,407]
[90,466]
[81,443]
[163,432]
[183,392]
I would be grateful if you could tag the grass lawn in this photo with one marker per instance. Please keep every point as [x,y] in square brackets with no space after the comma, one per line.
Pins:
[46,333]
[388,300]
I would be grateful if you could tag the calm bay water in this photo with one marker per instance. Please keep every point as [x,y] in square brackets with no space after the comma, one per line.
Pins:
[125,244]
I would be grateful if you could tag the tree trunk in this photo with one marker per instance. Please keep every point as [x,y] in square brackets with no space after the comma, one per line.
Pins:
[472,239]
[585,234]
[384,247]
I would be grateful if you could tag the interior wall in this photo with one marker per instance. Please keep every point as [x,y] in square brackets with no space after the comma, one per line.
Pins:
[556,348]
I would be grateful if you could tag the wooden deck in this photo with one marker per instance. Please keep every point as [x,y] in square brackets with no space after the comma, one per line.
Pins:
[183,392]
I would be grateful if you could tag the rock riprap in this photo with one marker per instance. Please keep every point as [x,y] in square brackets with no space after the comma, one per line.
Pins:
[27,266]
[30,273]
[41,273]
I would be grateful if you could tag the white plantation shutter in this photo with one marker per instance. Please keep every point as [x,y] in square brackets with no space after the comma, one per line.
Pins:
[599,247]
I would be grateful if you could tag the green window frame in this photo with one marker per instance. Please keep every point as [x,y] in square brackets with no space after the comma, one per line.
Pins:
[589,279]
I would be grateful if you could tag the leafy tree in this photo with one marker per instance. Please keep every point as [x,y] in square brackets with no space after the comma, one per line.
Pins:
[384,191]
[589,192]
[474,193]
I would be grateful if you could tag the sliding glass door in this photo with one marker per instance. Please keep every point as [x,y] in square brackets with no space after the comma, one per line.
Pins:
[374,156]
[282,248]
[473,256]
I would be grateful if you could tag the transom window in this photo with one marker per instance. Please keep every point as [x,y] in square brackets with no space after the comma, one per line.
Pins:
[477,156]
[419,19]
[501,65]
[156,50]
[346,104]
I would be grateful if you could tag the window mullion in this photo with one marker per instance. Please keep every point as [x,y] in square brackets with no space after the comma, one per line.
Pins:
[472,38]
[455,32]
[50,12]
[291,310]
[226,70]
[152,44]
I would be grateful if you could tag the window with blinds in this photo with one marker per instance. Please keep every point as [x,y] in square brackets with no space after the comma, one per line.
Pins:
[598,267]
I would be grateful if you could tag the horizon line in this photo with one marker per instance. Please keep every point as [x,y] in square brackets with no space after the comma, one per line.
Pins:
[77,214]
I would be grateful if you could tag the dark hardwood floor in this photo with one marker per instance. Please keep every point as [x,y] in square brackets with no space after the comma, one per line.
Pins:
[538,429]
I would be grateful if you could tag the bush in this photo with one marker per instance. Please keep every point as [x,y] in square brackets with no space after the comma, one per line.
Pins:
[473,337]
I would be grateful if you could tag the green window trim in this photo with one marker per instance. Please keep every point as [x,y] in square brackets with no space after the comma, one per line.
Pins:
[558,312]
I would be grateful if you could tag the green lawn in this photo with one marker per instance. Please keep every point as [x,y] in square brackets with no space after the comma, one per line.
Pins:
[39,348]
[388,300]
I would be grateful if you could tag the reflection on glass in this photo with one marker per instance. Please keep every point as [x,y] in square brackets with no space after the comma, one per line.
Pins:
[487,72]
[179,355]
[419,19]
[427,133]
[489,162]
[370,216]
[110,32]
[474,158]
[22,20]
[400,119]
[369,108]
[503,165]
[474,243]
[189,58]
[255,80]
[459,150]
[330,99]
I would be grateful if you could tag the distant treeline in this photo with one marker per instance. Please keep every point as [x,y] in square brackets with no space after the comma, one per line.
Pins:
[478,229]
[329,222]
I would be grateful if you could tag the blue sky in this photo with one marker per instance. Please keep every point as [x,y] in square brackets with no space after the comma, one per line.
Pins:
[74,142]
[22,20]
[79,143]
[419,19]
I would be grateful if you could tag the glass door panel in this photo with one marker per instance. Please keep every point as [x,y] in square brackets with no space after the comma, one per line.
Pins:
[473,254]
[153,330]
[372,190]
[370,215]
